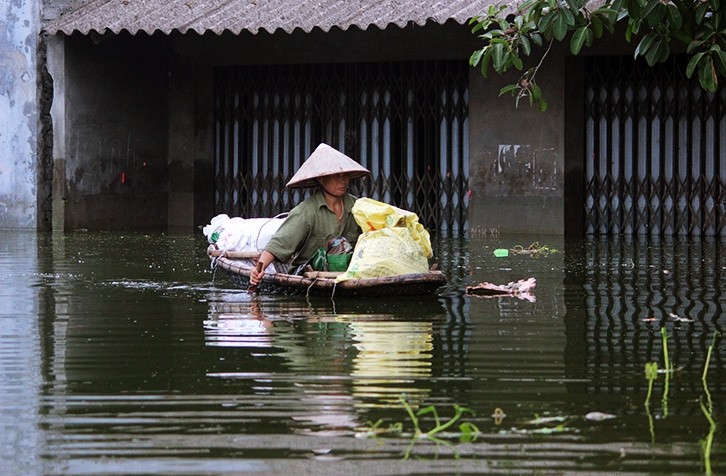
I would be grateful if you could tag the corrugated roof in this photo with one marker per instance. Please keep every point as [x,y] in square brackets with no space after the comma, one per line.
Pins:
[254,15]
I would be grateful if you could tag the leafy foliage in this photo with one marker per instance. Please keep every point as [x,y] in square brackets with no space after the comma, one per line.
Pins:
[658,25]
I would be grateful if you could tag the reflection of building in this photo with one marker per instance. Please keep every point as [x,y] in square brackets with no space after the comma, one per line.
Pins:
[22,447]
[621,297]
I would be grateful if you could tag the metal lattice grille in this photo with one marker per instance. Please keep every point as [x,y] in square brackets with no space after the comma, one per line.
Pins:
[654,157]
[406,122]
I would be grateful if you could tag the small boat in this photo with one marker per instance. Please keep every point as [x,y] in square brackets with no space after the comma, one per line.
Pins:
[323,282]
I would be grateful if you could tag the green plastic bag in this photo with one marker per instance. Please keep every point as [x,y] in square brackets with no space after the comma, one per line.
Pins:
[319,260]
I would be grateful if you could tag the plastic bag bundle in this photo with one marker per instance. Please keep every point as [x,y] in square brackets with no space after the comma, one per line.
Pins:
[393,242]
[373,215]
[386,252]
[241,234]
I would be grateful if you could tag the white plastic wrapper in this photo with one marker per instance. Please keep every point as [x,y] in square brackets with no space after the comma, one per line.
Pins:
[242,234]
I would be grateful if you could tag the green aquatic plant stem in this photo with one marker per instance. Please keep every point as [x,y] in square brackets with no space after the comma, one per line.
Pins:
[651,373]
[439,426]
[707,442]
[667,362]
[708,359]
[707,410]
[668,370]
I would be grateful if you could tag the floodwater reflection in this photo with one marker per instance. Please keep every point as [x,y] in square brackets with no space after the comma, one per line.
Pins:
[124,353]
[339,362]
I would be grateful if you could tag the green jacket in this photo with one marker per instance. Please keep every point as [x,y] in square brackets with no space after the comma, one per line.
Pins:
[308,226]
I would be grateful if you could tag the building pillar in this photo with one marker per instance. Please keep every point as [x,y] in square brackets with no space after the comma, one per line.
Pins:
[56,68]
[19,114]
[181,143]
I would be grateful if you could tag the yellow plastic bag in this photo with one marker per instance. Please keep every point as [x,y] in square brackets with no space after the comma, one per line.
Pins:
[373,215]
[385,252]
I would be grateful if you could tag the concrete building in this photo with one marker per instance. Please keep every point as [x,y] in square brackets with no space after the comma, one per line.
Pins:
[164,114]
[20,110]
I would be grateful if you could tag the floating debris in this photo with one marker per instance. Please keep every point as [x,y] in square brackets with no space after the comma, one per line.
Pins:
[523,289]
[678,318]
[599,416]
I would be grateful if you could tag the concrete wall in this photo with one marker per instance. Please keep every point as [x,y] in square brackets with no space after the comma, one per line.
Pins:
[517,154]
[111,163]
[19,113]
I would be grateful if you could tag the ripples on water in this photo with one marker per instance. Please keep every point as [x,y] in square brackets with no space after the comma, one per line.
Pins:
[125,354]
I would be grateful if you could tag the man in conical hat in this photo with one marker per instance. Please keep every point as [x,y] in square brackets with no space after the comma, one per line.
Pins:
[321,216]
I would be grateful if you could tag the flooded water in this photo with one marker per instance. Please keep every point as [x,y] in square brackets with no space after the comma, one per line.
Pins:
[126,354]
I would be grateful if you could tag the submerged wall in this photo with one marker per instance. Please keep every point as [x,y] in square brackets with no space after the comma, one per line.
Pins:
[111,123]
[517,154]
[19,113]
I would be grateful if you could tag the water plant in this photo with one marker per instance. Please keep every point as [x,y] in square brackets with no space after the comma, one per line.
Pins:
[535,250]
[468,431]
[707,410]
[651,374]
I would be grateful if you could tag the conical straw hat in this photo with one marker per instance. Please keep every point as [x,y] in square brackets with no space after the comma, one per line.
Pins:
[325,161]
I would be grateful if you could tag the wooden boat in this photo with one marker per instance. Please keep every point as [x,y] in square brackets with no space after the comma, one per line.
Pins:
[323,283]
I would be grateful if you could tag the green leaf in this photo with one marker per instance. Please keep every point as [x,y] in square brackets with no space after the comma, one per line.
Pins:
[569,16]
[658,52]
[701,10]
[516,61]
[486,59]
[596,26]
[546,21]
[645,43]
[469,432]
[475,57]
[509,88]
[537,39]
[707,76]
[560,27]
[526,46]
[498,57]
[578,39]
[651,370]
[478,26]
[649,8]
[681,36]
[542,106]
[632,29]
[573,6]
[657,15]
[694,45]
[693,63]
[536,91]
[674,16]
[664,51]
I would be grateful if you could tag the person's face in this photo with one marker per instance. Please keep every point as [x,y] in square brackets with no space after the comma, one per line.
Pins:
[336,185]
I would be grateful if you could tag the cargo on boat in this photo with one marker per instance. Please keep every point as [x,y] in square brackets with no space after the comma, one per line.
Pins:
[236,264]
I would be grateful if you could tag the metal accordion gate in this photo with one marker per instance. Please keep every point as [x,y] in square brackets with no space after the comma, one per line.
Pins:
[654,151]
[406,122]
